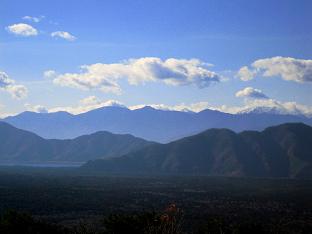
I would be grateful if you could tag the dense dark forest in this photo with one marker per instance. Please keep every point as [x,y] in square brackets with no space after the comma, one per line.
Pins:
[42,200]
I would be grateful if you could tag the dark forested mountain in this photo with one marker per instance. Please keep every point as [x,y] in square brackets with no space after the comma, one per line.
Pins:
[281,151]
[22,146]
[148,123]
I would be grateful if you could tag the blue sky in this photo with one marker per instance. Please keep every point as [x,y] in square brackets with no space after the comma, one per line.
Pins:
[227,34]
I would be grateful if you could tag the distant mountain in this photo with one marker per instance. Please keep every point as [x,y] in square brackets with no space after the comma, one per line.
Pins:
[148,123]
[281,151]
[22,146]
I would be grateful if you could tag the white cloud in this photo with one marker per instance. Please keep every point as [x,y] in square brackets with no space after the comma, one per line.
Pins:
[5,80]
[65,35]
[21,29]
[49,74]
[90,79]
[36,108]
[291,69]
[91,100]
[250,92]
[33,18]
[105,77]
[17,91]
[9,85]
[245,74]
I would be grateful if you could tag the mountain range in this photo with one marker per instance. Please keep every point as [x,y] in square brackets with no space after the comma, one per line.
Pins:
[148,123]
[22,146]
[280,151]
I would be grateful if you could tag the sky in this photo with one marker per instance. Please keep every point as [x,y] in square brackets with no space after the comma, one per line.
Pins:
[226,55]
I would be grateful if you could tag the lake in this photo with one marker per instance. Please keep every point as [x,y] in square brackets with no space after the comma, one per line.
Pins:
[43,164]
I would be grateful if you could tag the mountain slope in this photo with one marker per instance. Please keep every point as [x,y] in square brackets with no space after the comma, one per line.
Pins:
[281,151]
[148,123]
[22,146]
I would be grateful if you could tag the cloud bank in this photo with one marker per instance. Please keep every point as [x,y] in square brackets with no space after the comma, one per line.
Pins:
[105,77]
[49,74]
[64,35]
[246,74]
[193,107]
[84,105]
[92,102]
[36,108]
[290,69]
[250,105]
[9,85]
[33,18]
[22,29]
[250,92]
